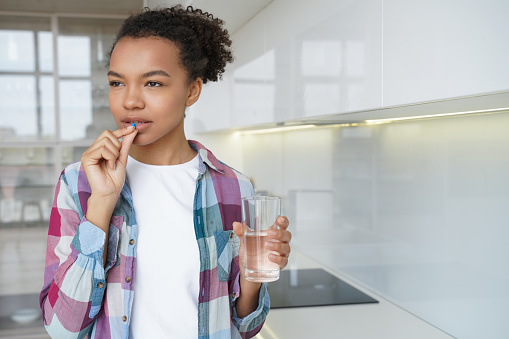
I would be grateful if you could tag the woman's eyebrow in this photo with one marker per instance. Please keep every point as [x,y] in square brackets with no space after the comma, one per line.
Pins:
[114,74]
[154,73]
[144,75]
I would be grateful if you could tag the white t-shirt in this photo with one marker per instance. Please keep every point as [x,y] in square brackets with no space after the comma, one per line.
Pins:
[166,284]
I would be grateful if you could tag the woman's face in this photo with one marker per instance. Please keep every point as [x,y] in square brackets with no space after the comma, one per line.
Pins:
[148,87]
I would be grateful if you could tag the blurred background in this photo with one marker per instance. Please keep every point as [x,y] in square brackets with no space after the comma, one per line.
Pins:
[382,124]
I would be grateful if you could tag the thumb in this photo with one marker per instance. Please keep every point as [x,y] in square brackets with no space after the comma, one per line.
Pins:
[238,229]
[127,141]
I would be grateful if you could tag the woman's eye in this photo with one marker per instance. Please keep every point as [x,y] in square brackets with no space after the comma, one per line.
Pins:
[153,84]
[115,83]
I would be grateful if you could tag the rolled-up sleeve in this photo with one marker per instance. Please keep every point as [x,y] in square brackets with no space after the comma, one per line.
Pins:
[251,324]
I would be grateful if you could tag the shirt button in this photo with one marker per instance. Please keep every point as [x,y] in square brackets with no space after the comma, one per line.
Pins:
[233,294]
[131,241]
[128,279]
[100,285]
[124,318]
[231,235]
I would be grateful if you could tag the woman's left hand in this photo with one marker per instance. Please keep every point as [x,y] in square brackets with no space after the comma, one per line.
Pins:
[247,302]
[281,245]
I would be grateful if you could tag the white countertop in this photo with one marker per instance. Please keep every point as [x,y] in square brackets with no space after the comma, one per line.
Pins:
[383,320]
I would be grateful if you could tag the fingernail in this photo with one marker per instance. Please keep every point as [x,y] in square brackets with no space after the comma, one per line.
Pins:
[272,233]
[269,244]
[130,127]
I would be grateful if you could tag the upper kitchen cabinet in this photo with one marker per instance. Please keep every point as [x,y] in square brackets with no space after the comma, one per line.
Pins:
[442,49]
[253,91]
[299,59]
[336,63]
[319,60]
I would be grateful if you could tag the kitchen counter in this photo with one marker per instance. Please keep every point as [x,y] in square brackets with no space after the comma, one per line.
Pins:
[382,320]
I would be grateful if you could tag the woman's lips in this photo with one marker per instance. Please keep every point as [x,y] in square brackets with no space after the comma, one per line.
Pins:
[138,124]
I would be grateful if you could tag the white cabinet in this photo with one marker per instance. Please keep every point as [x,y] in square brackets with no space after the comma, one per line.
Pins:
[444,49]
[313,62]
[300,59]
[338,62]
[303,60]
[253,91]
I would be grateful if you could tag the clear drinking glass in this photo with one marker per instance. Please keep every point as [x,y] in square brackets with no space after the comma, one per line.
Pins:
[259,214]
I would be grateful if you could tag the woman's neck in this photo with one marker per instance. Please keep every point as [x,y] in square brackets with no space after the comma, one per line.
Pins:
[162,152]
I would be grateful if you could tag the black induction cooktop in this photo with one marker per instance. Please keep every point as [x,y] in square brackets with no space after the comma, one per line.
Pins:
[313,287]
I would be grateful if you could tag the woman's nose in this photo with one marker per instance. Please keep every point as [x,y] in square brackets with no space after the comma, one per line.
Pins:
[133,99]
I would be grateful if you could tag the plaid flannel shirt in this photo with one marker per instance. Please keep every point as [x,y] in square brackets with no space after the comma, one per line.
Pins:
[81,298]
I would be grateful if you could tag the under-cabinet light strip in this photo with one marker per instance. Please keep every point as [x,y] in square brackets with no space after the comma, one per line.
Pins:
[367,122]
[276,129]
[382,121]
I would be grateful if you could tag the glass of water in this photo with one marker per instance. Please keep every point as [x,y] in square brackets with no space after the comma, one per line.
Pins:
[259,214]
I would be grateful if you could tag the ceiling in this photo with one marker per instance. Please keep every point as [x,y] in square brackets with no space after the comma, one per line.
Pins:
[235,13]
[73,6]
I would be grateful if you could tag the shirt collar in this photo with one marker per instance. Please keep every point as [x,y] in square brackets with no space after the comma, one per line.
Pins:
[206,156]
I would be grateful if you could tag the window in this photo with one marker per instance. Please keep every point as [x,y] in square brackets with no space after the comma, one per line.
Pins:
[48,115]
[53,104]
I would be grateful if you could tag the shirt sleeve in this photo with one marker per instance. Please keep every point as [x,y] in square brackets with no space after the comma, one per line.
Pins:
[251,324]
[74,276]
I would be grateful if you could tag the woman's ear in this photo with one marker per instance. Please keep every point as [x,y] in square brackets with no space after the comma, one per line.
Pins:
[194,91]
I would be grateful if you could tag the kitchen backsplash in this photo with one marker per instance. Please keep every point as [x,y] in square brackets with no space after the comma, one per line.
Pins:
[416,211]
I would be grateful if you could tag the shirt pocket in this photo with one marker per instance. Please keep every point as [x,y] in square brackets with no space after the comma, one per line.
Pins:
[226,243]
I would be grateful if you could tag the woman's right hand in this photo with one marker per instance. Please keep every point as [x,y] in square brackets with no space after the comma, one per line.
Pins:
[105,163]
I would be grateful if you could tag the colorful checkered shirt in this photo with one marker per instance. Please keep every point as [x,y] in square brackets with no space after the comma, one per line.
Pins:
[81,298]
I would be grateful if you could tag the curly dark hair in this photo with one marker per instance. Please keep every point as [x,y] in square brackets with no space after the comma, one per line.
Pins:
[203,43]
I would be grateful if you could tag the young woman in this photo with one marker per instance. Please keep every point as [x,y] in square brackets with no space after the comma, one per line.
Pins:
[143,239]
